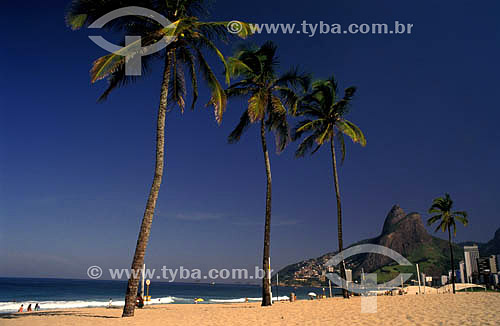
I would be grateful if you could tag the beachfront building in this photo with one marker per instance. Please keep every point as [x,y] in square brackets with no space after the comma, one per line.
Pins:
[484,270]
[471,254]
[493,264]
[457,275]
[348,275]
[461,268]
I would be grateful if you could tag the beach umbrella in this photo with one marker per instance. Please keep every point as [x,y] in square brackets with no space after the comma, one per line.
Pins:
[311,294]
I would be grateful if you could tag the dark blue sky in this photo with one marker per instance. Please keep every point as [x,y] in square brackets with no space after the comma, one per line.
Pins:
[74,175]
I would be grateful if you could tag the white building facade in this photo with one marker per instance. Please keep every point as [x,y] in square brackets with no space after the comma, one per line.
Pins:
[471,254]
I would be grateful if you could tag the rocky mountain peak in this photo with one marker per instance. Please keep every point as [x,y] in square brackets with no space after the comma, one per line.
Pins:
[395,215]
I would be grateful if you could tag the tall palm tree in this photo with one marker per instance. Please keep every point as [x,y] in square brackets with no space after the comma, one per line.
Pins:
[325,123]
[442,207]
[191,38]
[268,95]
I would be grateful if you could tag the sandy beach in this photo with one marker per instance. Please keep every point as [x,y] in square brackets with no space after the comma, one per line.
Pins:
[444,309]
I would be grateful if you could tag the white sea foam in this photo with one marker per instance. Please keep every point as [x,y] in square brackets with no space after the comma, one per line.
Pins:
[6,307]
[244,299]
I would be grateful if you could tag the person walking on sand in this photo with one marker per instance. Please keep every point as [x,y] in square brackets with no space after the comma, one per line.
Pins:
[37,307]
[29,308]
[110,303]
[21,308]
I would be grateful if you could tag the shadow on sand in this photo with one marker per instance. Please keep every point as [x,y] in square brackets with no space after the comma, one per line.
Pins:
[54,313]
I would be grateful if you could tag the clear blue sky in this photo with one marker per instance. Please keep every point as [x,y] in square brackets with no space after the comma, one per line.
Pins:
[74,174]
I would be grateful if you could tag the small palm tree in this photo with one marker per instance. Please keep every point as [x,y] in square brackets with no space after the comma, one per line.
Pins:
[325,123]
[191,38]
[268,98]
[442,206]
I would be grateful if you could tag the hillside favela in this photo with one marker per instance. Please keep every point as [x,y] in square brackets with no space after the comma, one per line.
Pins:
[273,162]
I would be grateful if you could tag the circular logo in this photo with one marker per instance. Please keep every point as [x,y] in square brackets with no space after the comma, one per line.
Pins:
[365,249]
[133,51]
[234,27]
[94,272]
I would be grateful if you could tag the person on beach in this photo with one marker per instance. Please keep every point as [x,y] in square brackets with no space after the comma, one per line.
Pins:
[29,308]
[37,307]
[139,302]
[21,308]
[110,303]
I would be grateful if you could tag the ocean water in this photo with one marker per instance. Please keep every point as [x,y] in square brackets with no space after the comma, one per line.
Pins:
[65,293]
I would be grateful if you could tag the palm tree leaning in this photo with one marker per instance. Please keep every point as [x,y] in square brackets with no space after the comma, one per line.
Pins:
[191,38]
[442,207]
[268,98]
[325,123]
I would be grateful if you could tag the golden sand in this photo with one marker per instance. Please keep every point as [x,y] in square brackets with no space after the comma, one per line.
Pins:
[462,309]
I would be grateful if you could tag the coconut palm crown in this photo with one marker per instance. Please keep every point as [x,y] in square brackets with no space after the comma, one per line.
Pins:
[442,208]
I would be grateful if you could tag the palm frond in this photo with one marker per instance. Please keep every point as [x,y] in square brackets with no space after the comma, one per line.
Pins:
[325,135]
[240,128]
[291,99]
[212,47]
[441,226]
[308,125]
[177,91]
[257,105]
[238,92]
[110,63]
[295,78]
[81,13]
[360,137]
[119,78]
[189,60]
[238,67]
[277,122]
[218,99]
[305,146]
[346,129]
[433,219]
[268,61]
[461,216]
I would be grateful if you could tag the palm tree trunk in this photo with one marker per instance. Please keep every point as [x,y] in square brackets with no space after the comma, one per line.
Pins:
[147,220]
[266,289]
[339,214]
[451,261]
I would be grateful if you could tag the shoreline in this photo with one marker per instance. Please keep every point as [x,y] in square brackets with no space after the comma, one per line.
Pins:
[460,309]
